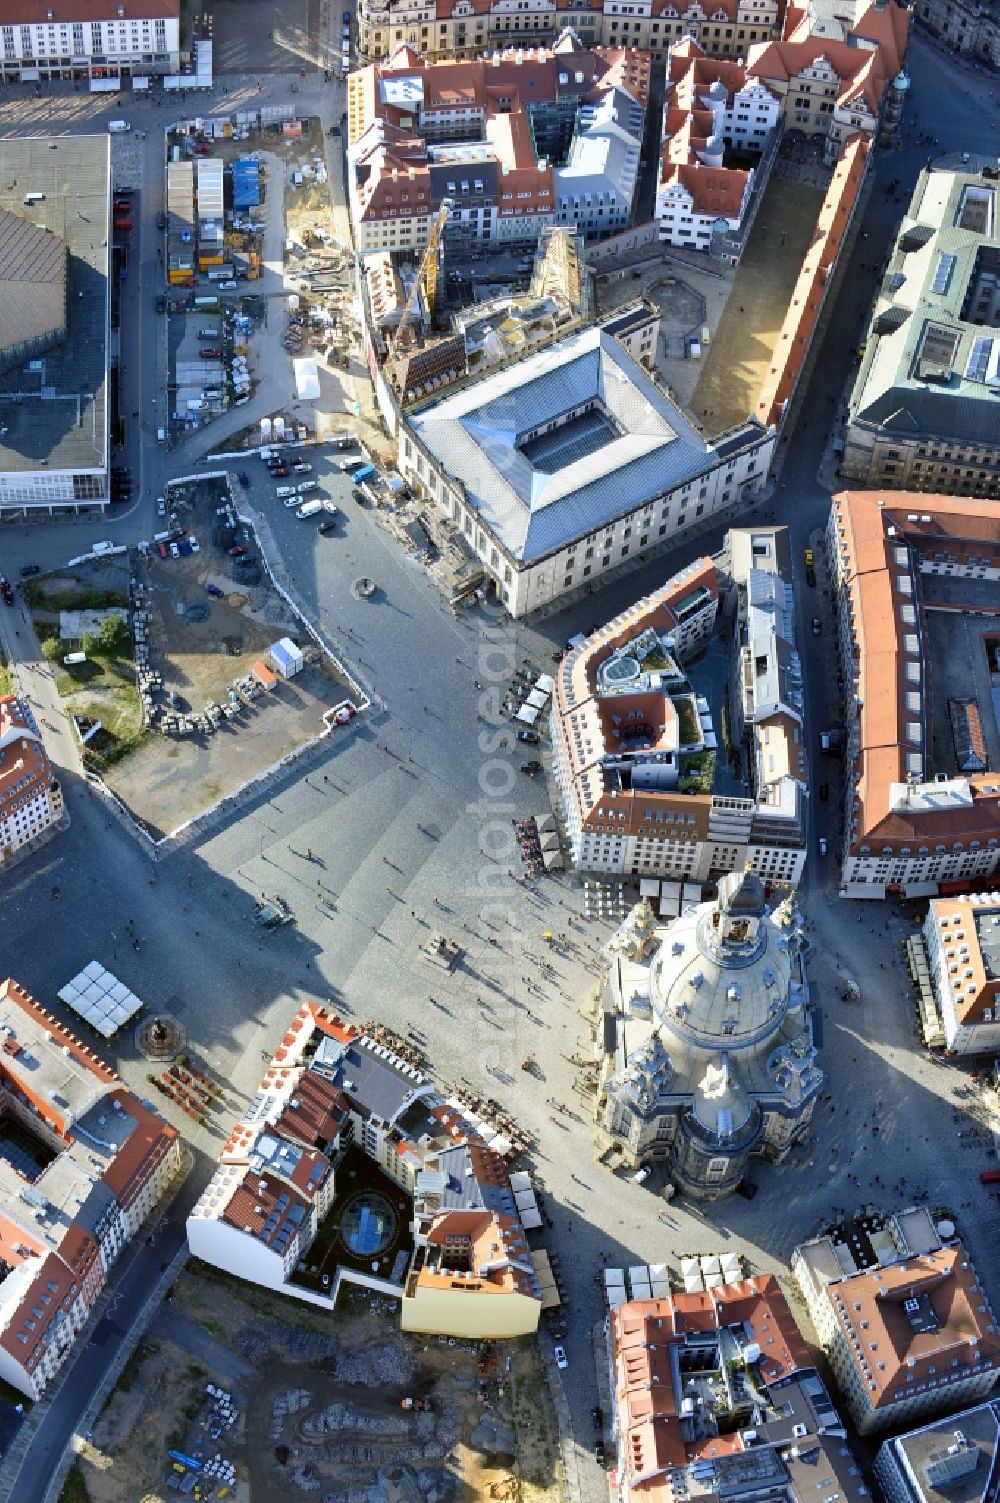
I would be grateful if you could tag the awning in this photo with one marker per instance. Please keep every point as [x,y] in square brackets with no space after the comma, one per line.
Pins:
[537,699]
[528,714]
[545,682]
[546,1279]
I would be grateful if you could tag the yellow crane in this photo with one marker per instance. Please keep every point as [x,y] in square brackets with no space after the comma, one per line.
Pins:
[425,278]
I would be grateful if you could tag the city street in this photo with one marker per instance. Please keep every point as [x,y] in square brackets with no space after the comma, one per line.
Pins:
[407,815]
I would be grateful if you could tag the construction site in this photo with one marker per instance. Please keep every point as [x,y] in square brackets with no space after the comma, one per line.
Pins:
[237,1393]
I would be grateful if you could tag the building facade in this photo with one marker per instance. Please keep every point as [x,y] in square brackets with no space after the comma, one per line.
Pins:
[99,1161]
[970,28]
[962,944]
[902,1317]
[544,517]
[708,1057]
[922,807]
[726,28]
[85,39]
[921,415]
[31,799]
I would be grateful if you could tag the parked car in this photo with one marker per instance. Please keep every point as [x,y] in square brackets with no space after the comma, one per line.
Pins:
[7,591]
[161,303]
[824,792]
[809,557]
[161,549]
[599,1452]
[277,471]
[293,499]
[229,285]
[237,552]
[822,845]
[562,1362]
[195,545]
[161,220]
[811,577]
[213,589]
[175,551]
[209,333]
[211,352]
[301,468]
[284,491]
[530,738]
[817,627]
[161,507]
[531,768]
[28,569]
[327,527]
[597,1415]
[358,496]
[306,485]
[184,548]
[350,465]
[247,558]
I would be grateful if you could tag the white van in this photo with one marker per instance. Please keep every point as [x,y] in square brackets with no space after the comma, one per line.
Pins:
[117,126]
[347,465]
[284,491]
[309,509]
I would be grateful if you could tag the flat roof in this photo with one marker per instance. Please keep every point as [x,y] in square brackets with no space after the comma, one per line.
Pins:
[928,344]
[951,1460]
[536,502]
[55,416]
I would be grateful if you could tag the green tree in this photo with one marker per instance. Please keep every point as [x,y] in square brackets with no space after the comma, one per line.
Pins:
[90,643]
[51,649]
[113,633]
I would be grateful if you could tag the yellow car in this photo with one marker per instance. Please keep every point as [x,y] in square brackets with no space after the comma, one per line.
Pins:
[809,558]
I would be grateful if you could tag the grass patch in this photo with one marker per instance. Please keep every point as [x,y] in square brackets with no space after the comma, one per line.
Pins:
[60,598]
[6,679]
[74,1489]
[697,772]
[689,726]
[215,1328]
[133,1366]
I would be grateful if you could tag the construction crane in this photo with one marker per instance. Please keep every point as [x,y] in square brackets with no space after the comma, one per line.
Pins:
[428,266]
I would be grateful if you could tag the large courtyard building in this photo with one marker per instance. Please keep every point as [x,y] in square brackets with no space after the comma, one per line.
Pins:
[961,939]
[952,1460]
[902,1316]
[638,756]
[561,467]
[83,1162]
[514,143]
[54,335]
[31,799]
[918,627]
[715,1396]
[89,39]
[279,1210]
[922,415]
[708,1056]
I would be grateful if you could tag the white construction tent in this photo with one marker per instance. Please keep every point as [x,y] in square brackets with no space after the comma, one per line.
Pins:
[100,999]
[306,379]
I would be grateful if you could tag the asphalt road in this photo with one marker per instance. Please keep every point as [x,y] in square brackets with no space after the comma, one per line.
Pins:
[398,832]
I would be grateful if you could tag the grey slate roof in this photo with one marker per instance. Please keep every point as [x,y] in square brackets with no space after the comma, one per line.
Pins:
[66,427]
[534,511]
[899,389]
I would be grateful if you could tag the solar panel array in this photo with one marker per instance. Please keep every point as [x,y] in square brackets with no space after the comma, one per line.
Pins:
[100,999]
